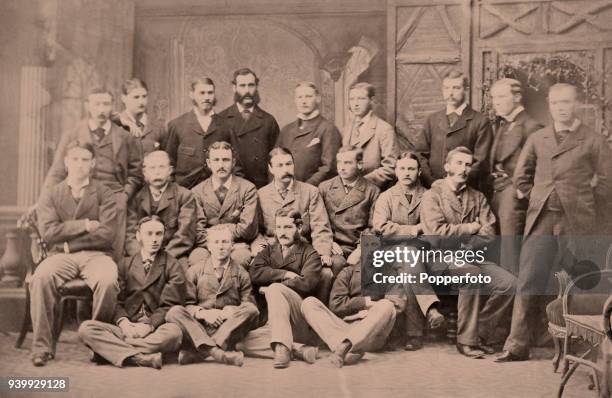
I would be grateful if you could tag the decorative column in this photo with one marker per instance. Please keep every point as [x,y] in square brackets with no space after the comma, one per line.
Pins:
[32,134]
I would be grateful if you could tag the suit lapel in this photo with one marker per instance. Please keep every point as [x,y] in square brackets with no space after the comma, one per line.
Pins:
[469,205]
[295,253]
[68,204]
[573,140]
[88,200]
[211,276]
[145,200]
[166,198]
[210,197]
[355,195]
[336,192]
[193,123]
[416,199]
[227,282]
[452,200]
[513,138]
[467,114]
[367,131]
[229,198]
[115,140]
[291,194]
[254,122]
[443,122]
[156,270]
[136,270]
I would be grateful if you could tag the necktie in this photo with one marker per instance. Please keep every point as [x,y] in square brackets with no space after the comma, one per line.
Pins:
[139,124]
[221,192]
[347,188]
[246,114]
[409,197]
[355,131]
[562,135]
[452,119]
[147,265]
[99,133]
[219,272]
[283,193]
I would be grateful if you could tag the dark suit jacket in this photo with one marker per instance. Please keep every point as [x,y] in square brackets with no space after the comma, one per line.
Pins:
[346,298]
[153,137]
[314,148]
[569,169]
[127,151]
[160,289]
[437,138]
[177,209]
[253,140]
[63,220]
[269,267]
[204,290]
[187,145]
[349,214]
[443,215]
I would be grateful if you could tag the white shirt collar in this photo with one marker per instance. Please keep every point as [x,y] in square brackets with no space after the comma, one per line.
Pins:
[512,115]
[458,111]
[145,256]
[77,188]
[227,184]
[458,190]
[289,187]
[199,115]
[364,120]
[312,115]
[350,185]
[93,126]
[241,108]
[126,118]
[157,194]
[572,128]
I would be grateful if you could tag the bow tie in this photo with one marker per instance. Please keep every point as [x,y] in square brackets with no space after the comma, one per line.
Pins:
[98,133]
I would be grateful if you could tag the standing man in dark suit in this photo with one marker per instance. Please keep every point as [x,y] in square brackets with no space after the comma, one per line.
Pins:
[174,204]
[312,139]
[254,132]
[118,158]
[190,135]
[78,220]
[134,118]
[151,283]
[457,125]
[512,127]
[565,172]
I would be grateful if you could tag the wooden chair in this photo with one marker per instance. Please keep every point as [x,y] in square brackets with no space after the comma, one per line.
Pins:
[73,290]
[588,328]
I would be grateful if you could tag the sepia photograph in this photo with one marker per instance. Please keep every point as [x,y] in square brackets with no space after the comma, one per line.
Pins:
[288,198]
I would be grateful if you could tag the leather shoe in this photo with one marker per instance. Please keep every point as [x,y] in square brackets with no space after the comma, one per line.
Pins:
[41,359]
[487,349]
[186,357]
[235,358]
[507,356]
[148,360]
[282,356]
[471,352]
[413,344]
[305,353]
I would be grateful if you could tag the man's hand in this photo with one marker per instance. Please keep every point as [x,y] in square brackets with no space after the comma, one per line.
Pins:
[92,225]
[263,289]
[228,311]
[355,256]
[289,275]
[127,328]
[142,329]
[368,302]
[473,228]
[212,317]
[520,195]
[360,315]
[336,249]
[326,261]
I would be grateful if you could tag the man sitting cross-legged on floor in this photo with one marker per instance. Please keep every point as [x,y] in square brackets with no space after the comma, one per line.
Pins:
[286,273]
[220,308]
[354,323]
[151,282]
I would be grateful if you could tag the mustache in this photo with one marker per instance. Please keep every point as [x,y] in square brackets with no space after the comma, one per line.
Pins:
[240,98]
[287,175]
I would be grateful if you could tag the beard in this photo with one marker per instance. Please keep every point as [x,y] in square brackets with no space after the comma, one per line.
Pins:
[240,98]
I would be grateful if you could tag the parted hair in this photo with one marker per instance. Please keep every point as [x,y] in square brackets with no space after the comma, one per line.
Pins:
[98,90]
[88,146]
[219,228]
[244,72]
[295,215]
[369,88]
[515,85]
[220,145]
[309,85]
[131,84]
[410,155]
[279,150]
[352,148]
[200,80]
[459,149]
[147,219]
[456,74]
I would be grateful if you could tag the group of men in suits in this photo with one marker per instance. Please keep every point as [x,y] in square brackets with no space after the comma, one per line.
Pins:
[242,238]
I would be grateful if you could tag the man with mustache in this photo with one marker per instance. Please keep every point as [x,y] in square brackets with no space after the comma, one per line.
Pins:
[312,139]
[174,204]
[254,132]
[456,217]
[564,171]
[285,192]
[285,272]
[397,214]
[457,125]
[349,199]
[151,282]
[190,134]
[374,136]
[78,222]
[118,158]
[225,198]
[220,309]
[135,96]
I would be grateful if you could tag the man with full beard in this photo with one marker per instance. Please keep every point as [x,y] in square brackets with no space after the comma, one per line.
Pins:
[254,132]
[190,134]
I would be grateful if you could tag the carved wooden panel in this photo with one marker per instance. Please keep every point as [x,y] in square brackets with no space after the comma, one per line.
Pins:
[428,43]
